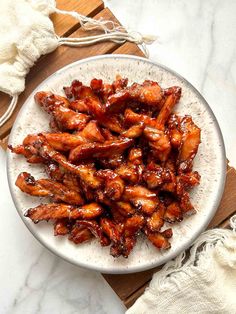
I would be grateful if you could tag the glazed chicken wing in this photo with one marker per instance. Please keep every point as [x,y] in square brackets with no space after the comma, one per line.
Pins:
[133,118]
[156,221]
[47,187]
[132,170]
[97,150]
[95,229]
[149,93]
[49,154]
[97,110]
[160,239]
[173,213]
[80,234]
[133,225]
[156,177]
[73,90]
[28,150]
[114,185]
[168,106]
[67,141]
[189,145]
[134,131]
[159,142]
[60,211]
[142,198]
[64,141]
[124,208]
[58,107]
[175,134]
[61,227]
[111,230]
[28,184]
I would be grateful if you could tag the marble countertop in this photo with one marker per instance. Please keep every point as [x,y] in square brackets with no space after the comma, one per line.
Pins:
[195,38]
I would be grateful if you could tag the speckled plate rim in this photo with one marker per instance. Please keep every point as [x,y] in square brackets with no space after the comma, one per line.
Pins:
[198,230]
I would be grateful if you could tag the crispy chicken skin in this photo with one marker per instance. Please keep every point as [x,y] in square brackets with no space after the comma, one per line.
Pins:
[160,239]
[71,182]
[63,141]
[134,131]
[173,213]
[80,234]
[159,142]
[132,170]
[143,199]
[95,229]
[61,227]
[124,208]
[114,185]
[60,211]
[189,145]
[156,177]
[58,107]
[47,187]
[149,93]
[174,131]
[110,229]
[28,150]
[66,141]
[87,176]
[54,171]
[156,221]
[97,150]
[118,163]
[133,118]
[171,100]
[133,225]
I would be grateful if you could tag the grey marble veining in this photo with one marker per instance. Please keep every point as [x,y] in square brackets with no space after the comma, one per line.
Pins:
[195,38]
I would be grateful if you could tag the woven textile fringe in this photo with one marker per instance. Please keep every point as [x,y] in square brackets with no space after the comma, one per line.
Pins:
[112,31]
[203,282]
[40,39]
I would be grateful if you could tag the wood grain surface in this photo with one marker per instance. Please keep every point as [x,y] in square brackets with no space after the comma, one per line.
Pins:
[128,287]
[64,25]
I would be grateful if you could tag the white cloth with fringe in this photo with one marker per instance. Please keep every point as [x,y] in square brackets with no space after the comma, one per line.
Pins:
[27,33]
[202,283]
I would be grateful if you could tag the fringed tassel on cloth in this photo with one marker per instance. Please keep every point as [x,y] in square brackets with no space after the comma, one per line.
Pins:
[202,282]
[112,32]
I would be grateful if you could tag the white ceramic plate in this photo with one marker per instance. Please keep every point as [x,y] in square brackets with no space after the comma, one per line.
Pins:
[210,162]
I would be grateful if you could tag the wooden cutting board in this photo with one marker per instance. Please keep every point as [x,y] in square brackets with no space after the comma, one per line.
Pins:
[128,287]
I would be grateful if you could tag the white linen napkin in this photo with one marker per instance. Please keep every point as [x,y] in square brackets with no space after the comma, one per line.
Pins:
[203,283]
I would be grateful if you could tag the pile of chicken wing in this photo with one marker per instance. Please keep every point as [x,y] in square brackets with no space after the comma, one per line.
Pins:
[118,163]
